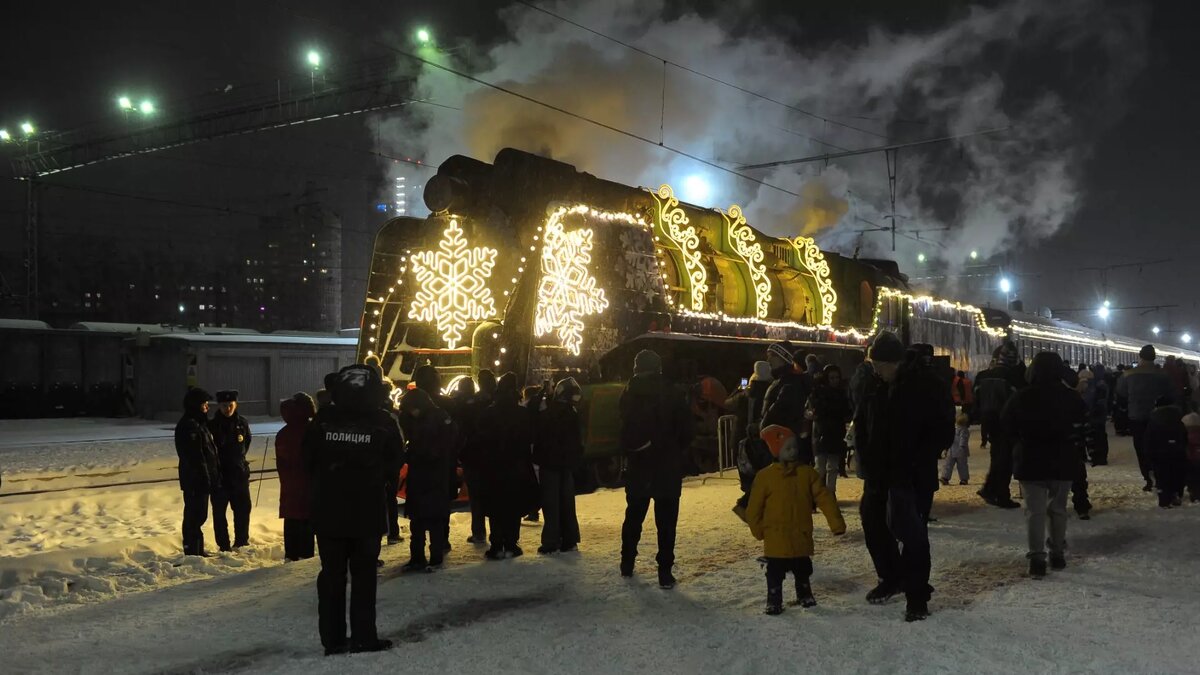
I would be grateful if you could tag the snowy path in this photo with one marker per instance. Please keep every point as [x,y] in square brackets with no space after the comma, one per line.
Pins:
[1126,603]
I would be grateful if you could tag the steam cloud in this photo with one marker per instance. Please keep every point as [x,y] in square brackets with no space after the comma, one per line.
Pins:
[1052,71]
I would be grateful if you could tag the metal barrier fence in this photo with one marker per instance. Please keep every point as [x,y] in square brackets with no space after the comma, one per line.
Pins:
[726,444]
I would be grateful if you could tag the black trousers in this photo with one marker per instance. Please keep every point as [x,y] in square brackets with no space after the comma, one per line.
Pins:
[235,496]
[988,421]
[891,516]
[298,539]
[478,517]
[435,527]
[393,509]
[561,526]
[999,474]
[666,520]
[1079,491]
[777,569]
[1097,441]
[340,555]
[1171,475]
[195,514]
[1193,481]
[1137,428]
[506,529]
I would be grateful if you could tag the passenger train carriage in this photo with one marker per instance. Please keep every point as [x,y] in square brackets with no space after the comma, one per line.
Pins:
[531,266]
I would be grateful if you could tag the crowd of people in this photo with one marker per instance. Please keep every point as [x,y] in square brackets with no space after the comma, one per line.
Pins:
[343,458]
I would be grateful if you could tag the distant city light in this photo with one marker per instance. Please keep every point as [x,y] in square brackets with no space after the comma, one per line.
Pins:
[1186,337]
[1005,285]
[381,207]
[314,59]
[27,127]
[1107,303]
[696,189]
[423,36]
[147,107]
[921,257]
[181,308]
[1156,330]
[4,135]
[974,255]
[125,103]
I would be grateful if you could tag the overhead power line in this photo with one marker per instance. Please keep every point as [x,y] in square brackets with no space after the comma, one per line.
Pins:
[866,151]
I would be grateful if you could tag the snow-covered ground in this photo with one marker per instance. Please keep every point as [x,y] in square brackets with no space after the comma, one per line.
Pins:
[89,584]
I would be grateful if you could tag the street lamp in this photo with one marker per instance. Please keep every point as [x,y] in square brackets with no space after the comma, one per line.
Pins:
[920,257]
[27,127]
[1103,312]
[147,107]
[1005,285]
[423,36]
[1156,330]
[974,255]
[4,135]
[314,59]
[1186,337]
[125,103]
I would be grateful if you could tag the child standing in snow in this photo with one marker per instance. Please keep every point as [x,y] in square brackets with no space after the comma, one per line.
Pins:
[959,451]
[780,515]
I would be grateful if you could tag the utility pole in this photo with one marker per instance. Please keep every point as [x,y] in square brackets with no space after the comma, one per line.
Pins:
[31,248]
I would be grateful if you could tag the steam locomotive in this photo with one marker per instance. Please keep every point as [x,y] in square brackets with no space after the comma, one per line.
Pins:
[528,265]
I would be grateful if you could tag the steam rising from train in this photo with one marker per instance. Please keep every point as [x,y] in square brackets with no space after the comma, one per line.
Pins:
[1019,64]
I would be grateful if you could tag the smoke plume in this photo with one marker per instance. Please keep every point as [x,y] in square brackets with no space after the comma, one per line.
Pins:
[1050,73]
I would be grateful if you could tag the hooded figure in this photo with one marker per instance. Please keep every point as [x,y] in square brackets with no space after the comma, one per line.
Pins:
[558,450]
[508,485]
[295,485]
[350,449]
[199,468]
[1166,447]
[656,429]
[1046,422]
[429,431]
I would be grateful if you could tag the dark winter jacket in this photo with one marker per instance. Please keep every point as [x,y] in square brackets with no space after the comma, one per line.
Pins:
[504,434]
[1166,435]
[467,414]
[1047,423]
[199,466]
[747,405]
[295,484]
[350,449]
[785,401]
[558,437]
[831,412]
[656,430]
[902,429]
[1141,387]
[430,435]
[993,388]
[232,437]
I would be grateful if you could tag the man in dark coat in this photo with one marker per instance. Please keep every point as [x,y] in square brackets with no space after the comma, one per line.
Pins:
[429,431]
[993,389]
[788,395]
[1166,444]
[557,450]
[199,468]
[350,448]
[903,424]
[473,450]
[508,485]
[656,429]
[1047,422]
[1140,389]
[231,433]
[427,379]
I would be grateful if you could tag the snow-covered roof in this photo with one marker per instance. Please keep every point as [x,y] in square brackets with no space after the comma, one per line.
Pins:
[259,339]
[24,324]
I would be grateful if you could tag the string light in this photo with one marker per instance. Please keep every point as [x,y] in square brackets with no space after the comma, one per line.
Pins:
[745,244]
[568,291]
[811,258]
[453,285]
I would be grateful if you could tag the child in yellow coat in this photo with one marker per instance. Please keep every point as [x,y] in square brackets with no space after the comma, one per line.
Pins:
[780,515]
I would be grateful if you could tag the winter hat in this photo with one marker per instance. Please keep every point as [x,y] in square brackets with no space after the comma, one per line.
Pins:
[227,396]
[762,372]
[194,399]
[506,389]
[416,400]
[426,377]
[567,390]
[812,363]
[781,350]
[487,382]
[1147,353]
[887,348]
[789,450]
[774,435]
[1007,354]
[647,361]
[359,388]
[1047,367]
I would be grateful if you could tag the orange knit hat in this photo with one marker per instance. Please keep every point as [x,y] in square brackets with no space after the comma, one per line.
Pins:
[775,436]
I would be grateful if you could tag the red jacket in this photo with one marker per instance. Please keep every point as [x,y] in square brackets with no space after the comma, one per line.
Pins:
[295,490]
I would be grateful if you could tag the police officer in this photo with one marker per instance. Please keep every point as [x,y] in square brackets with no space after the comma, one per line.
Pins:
[199,471]
[231,433]
[350,449]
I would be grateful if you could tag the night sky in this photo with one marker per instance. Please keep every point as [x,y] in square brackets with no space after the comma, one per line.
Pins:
[64,69]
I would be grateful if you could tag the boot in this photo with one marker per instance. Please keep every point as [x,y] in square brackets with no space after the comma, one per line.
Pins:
[804,594]
[916,609]
[666,580]
[496,552]
[627,566]
[414,565]
[945,481]
[376,645]
[882,593]
[1149,486]
[1058,561]
[774,601]
[515,551]
[1037,568]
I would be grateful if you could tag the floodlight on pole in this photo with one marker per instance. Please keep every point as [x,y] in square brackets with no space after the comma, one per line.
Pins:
[974,255]
[1156,330]
[1005,285]
[27,127]
[125,103]
[4,135]
[147,107]
[1103,312]
[314,59]
[920,257]
[1186,337]
[423,36]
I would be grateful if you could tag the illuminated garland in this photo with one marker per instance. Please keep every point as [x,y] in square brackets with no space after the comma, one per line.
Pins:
[567,291]
[745,244]
[671,219]
[376,326]
[813,259]
[1080,338]
[453,285]
[853,333]
[885,293]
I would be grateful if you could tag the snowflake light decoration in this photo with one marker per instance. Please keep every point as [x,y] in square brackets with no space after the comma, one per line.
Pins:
[453,283]
[568,291]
